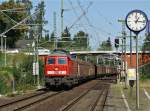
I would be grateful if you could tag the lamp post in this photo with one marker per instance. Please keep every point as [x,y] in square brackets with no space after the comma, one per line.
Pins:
[1,43]
[28,46]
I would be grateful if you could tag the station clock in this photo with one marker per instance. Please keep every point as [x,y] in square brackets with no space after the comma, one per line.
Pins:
[136,21]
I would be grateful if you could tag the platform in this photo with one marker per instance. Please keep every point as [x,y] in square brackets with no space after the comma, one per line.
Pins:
[119,99]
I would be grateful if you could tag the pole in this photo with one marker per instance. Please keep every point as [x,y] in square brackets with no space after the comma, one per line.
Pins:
[37,62]
[97,59]
[34,61]
[137,75]
[122,57]
[130,48]
[55,37]
[124,38]
[5,50]
[86,58]
[62,19]
[131,82]
[125,65]
[1,43]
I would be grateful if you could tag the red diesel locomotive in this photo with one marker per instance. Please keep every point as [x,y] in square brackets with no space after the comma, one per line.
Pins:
[62,69]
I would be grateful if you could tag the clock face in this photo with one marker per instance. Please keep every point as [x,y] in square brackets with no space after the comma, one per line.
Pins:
[136,21]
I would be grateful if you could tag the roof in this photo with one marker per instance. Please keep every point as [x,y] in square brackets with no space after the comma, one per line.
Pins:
[57,54]
[103,52]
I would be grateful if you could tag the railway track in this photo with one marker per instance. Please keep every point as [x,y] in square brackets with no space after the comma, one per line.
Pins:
[98,104]
[21,99]
[26,102]
[100,101]
[95,94]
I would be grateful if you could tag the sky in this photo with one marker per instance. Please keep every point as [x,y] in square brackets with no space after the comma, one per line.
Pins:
[101,20]
[103,15]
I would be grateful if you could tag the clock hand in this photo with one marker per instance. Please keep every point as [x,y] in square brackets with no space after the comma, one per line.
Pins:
[136,16]
[141,21]
[136,20]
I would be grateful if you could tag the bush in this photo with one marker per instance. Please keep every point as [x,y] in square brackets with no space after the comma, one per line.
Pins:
[145,72]
[6,78]
[19,69]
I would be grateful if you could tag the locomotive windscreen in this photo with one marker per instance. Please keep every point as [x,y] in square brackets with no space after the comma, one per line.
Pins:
[51,60]
[62,61]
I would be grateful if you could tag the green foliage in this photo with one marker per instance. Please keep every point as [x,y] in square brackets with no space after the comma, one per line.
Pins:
[25,70]
[41,70]
[9,19]
[6,78]
[52,40]
[144,71]
[47,37]
[39,18]
[65,41]
[1,59]
[105,45]
[20,71]
[2,86]
[80,41]
[146,45]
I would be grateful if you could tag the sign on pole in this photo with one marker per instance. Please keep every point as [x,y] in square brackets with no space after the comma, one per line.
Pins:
[131,74]
[35,68]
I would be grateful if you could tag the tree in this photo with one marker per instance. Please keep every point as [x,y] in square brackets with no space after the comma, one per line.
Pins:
[10,18]
[47,36]
[105,45]
[146,45]
[39,18]
[52,38]
[29,33]
[81,40]
[65,41]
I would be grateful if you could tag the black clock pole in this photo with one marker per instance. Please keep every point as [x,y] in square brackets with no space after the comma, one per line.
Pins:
[137,74]
[136,25]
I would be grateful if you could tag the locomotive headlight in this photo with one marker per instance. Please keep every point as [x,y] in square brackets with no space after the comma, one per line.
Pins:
[56,68]
[50,72]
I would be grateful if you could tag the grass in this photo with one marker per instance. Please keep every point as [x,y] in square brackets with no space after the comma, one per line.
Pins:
[145,83]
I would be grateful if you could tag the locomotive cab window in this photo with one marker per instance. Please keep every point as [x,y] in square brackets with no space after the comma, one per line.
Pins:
[62,61]
[51,61]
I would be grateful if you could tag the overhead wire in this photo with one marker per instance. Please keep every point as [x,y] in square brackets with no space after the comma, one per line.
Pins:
[3,33]
[90,24]
[105,18]
[78,19]
[12,10]
[14,22]
[75,12]
[87,19]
